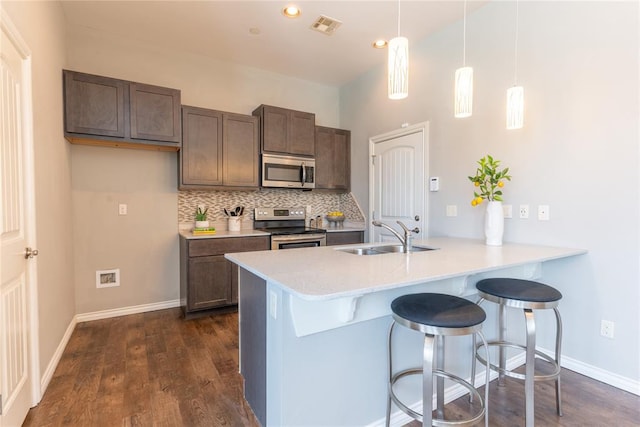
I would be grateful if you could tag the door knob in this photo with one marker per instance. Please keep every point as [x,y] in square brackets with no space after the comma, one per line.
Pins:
[417,217]
[30,253]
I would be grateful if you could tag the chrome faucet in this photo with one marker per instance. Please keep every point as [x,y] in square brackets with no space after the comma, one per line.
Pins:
[406,241]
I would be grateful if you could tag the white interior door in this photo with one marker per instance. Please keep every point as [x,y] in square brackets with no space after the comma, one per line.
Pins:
[398,176]
[15,382]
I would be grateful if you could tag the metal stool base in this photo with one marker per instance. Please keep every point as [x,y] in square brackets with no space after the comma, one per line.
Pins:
[438,422]
[546,377]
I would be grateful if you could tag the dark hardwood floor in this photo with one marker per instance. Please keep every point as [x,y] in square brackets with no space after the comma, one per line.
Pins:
[156,369]
[150,369]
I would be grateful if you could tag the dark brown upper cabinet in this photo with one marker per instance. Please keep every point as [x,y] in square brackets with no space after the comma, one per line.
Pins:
[333,159]
[106,111]
[284,131]
[219,149]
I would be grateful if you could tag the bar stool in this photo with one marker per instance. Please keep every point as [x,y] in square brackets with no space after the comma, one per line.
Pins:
[437,316]
[527,295]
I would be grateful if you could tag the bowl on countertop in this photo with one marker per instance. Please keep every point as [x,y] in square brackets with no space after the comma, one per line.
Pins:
[335,220]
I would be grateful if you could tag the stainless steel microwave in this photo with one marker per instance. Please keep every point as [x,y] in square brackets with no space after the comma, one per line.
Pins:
[288,172]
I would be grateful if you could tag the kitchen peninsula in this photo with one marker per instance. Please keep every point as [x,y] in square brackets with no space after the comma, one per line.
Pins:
[313,322]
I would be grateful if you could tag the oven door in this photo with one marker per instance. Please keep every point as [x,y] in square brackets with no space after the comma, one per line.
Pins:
[293,241]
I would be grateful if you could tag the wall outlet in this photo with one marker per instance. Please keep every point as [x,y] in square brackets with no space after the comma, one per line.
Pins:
[452,210]
[507,211]
[524,211]
[543,212]
[122,209]
[606,328]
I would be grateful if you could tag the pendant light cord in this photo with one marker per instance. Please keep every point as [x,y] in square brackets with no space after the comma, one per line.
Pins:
[464,36]
[515,60]
[398,18]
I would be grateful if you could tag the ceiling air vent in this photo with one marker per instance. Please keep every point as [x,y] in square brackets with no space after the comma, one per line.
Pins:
[326,25]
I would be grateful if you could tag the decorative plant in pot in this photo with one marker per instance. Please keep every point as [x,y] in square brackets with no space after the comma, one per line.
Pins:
[201,217]
[489,181]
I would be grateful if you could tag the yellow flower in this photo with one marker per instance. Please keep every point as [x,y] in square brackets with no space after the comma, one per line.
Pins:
[474,202]
[500,184]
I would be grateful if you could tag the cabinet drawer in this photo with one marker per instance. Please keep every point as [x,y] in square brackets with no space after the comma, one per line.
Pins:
[207,247]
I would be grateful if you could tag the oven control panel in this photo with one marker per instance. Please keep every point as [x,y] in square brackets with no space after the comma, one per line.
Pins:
[266,214]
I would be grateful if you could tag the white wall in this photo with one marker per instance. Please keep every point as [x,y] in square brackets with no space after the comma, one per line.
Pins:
[41,24]
[144,244]
[578,151]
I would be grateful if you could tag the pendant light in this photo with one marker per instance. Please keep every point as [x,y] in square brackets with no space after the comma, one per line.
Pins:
[398,65]
[463,99]
[515,94]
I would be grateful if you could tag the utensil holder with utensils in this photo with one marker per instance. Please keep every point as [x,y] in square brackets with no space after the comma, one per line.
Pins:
[235,223]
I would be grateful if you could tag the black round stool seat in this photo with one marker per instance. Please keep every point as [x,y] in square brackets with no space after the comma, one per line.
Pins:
[439,310]
[520,290]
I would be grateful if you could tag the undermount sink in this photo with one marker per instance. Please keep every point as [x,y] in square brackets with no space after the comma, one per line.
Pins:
[379,250]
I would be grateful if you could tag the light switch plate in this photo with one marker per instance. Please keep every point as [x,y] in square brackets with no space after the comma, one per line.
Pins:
[507,210]
[452,210]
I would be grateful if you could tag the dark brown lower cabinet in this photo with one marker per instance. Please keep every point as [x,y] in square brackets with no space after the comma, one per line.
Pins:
[208,281]
[345,238]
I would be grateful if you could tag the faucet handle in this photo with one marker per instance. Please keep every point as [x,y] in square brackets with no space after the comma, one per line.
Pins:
[406,229]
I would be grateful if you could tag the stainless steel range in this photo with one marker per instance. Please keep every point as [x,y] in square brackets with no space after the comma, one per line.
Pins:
[287,228]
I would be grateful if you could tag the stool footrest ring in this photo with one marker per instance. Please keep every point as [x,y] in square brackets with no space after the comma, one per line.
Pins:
[546,377]
[437,422]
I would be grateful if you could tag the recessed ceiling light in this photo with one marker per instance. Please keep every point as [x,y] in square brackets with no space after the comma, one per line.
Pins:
[380,44]
[291,11]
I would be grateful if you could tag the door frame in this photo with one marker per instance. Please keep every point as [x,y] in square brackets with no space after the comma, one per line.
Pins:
[21,46]
[423,128]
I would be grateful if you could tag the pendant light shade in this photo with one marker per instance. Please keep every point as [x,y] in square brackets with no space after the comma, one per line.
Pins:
[463,102]
[515,107]
[398,68]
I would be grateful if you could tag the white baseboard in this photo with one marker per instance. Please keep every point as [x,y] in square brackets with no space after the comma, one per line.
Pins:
[96,315]
[455,391]
[115,312]
[55,359]
[615,380]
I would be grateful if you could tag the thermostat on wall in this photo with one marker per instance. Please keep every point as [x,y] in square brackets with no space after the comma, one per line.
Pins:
[434,183]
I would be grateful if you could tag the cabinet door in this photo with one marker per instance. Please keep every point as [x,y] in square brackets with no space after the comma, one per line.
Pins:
[201,153]
[155,113]
[341,159]
[240,150]
[94,105]
[275,129]
[209,282]
[345,238]
[302,133]
[333,158]
[324,157]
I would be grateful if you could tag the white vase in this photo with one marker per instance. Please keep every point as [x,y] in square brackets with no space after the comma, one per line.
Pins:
[494,224]
[202,224]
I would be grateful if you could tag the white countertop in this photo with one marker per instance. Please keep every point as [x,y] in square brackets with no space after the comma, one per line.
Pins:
[223,234]
[327,273]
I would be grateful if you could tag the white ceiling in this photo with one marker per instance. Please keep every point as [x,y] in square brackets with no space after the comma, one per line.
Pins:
[220,29]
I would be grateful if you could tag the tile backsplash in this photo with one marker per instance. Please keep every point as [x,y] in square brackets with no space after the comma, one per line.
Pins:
[320,203]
